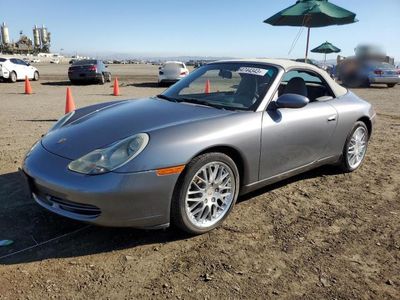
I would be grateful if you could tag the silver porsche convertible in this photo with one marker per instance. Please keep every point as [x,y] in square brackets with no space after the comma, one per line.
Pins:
[184,156]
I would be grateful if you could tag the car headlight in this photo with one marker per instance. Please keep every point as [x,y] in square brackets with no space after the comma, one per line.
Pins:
[108,159]
[62,121]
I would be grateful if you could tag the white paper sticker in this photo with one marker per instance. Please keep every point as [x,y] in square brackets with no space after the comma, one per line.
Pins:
[253,71]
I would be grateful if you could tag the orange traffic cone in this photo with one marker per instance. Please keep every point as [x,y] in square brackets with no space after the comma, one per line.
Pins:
[28,88]
[207,88]
[69,103]
[116,87]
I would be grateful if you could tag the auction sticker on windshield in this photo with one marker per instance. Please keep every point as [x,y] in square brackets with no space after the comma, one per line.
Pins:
[252,71]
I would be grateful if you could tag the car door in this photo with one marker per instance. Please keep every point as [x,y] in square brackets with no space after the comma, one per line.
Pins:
[295,137]
[26,68]
[17,68]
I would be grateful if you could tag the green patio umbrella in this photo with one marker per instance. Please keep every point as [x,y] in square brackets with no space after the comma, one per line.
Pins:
[312,13]
[326,48]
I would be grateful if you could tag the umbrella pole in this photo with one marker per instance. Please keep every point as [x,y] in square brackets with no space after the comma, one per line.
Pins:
[308,41]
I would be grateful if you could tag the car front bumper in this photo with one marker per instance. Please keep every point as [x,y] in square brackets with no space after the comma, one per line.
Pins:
[140,200]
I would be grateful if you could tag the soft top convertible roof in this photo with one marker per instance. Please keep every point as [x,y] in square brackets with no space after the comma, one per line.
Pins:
[287,64]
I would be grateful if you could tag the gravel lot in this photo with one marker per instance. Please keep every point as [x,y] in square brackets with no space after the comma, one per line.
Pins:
[321,235]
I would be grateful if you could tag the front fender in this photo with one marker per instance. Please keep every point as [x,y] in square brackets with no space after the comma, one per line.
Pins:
[177,145]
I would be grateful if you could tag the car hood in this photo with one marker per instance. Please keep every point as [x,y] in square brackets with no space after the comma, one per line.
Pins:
[103,127]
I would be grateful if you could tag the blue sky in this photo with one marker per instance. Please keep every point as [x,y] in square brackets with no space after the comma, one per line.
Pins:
[231,28]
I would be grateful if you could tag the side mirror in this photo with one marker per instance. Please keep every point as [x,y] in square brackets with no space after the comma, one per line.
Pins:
[226,74]
[291,101]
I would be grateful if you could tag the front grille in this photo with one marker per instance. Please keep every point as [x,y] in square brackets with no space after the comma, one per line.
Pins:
[86,210]
[62,206]
[68,208]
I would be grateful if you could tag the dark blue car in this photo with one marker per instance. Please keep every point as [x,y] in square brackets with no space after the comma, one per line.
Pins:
[89,70]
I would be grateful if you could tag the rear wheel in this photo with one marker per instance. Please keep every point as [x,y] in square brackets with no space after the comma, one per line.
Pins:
[102,79]
[391,85]
[13,77]
[355,147]
[205,193]
[353,81]
[36,76]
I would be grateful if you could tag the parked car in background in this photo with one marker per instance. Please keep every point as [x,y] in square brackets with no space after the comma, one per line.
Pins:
[89,70]
[355,73]
[184,156]
[55,61]
[171,72]
[14,69]
[35,60]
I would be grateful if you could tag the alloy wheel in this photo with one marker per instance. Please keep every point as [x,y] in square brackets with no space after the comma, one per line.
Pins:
[357,147]
[210,194]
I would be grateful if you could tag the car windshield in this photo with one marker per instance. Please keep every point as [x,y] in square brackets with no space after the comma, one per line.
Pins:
[173,66]
[2,59]
[225,85]
[84,62]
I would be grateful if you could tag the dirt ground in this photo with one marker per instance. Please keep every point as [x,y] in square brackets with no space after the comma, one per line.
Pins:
[321,235]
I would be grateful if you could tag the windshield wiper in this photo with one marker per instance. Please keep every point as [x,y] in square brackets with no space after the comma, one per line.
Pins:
[161,96]
[200,102]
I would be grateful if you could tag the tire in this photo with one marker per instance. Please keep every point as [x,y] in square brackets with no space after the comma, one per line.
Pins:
[366,83]
[353,81]
[391,85]
[347,164]
[36,76]
[13,77]
[183,213]
[160,84]
[102,79]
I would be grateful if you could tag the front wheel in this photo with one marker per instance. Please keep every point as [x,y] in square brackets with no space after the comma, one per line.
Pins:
[205,193]
[391,85]
[355,147]
[36,76]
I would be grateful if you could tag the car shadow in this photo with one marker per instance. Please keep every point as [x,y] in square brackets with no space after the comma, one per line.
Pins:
[146,85]
[39,234]
[67,83]
[38,120]
[328,170]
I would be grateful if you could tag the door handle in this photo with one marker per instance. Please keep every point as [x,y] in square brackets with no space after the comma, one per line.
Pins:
[332,118]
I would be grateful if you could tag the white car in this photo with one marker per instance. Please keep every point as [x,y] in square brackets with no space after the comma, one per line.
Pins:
[15,69]
[171,72]
[55,61]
